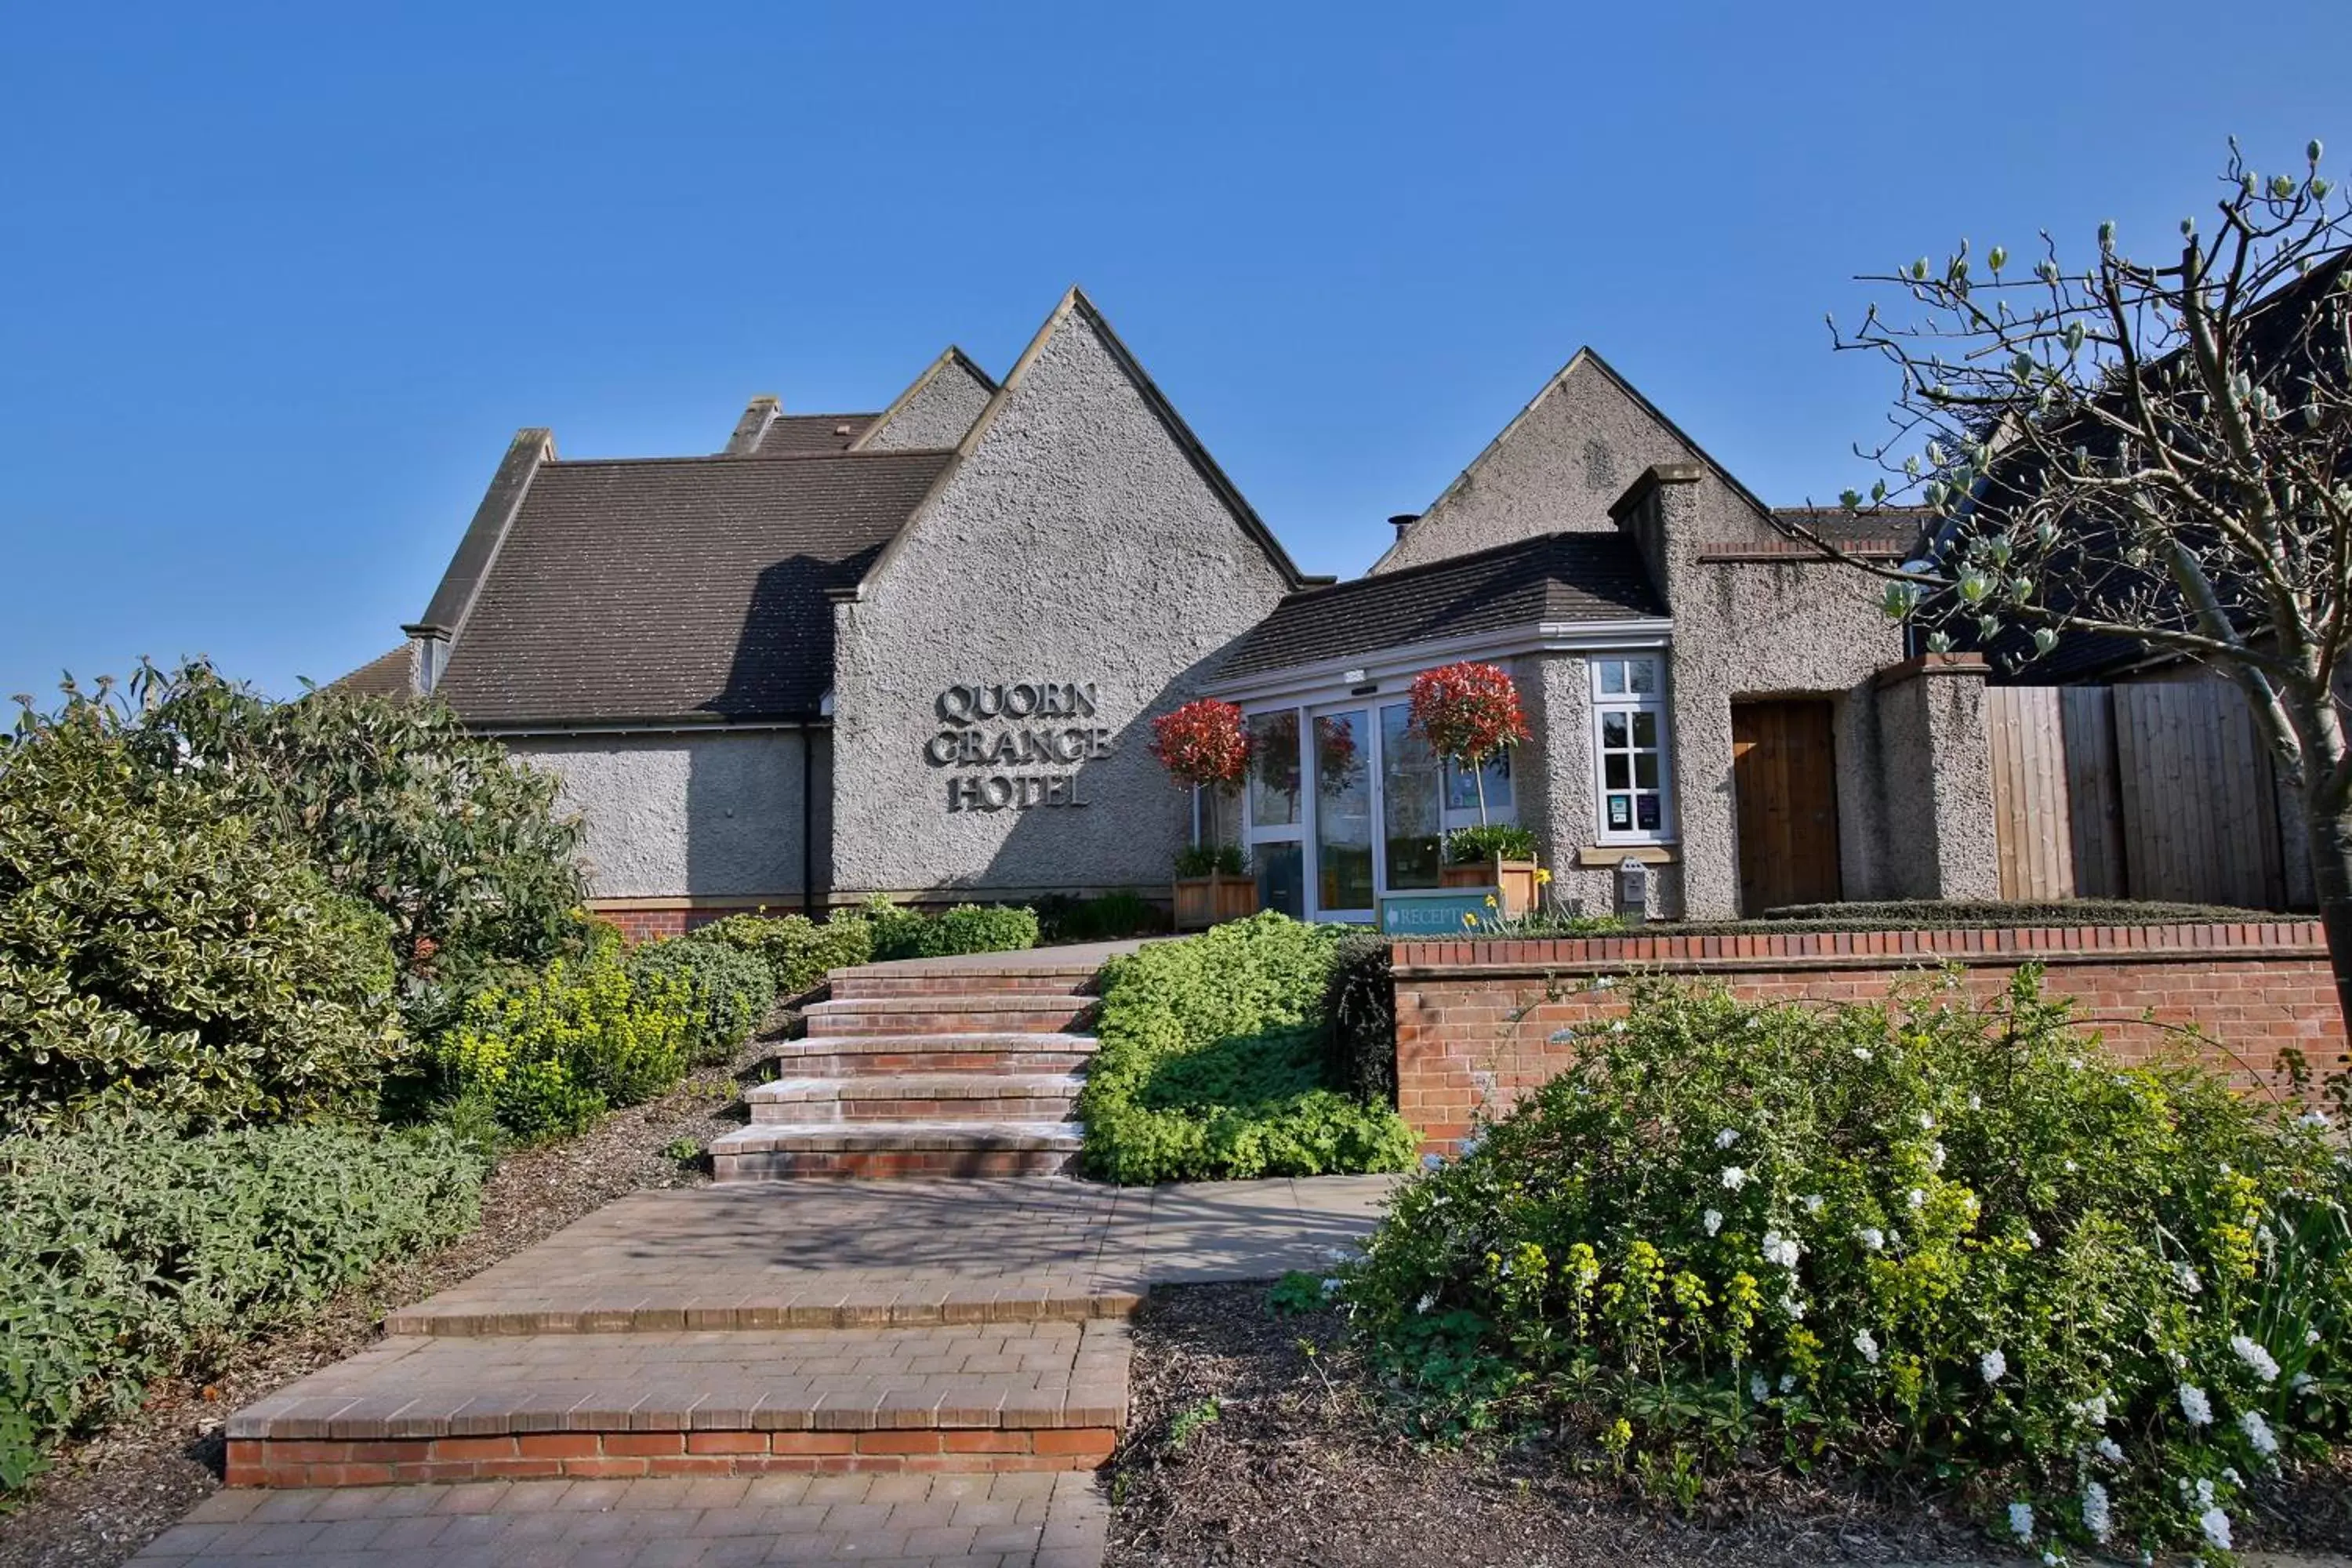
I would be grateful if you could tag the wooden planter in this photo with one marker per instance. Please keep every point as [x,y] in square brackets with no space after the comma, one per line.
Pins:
[1205,902]
[1515,878]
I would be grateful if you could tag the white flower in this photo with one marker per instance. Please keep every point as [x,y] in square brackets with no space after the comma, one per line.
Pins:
[2110,1450]
[1794,1307]
[2230,1474]
[2070,1167]
[1616,1025]
[2265,1367]
[1426,1302]
[2216,1526]
[2098,1518]
[1976,1103]
[1918,1197]
[1871,1236]
[2093,1410]
[1726,1138]
[1812,1202]
[2032,1238]
[1602,982]
[2302,1381]
[1757,1389]
[2311,1336]
[1927,1121]
[2258,1433]
[1780,1249]
[1331,1287]
[1936,1156]
[2186,1277]
[2204,1492]
[1994,1365]
[1734,1178]
[1862,1053]
[2020,1520]
[1713,1220]
[2312,1119]
[2195,1405]
[1867,1345]
[1788,1381]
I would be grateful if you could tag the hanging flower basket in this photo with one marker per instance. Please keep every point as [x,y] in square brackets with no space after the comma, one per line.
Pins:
[1205,745]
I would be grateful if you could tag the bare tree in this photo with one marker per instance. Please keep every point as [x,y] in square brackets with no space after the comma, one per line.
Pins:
[2154,451]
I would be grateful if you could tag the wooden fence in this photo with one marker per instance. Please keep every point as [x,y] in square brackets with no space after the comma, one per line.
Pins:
[2154,790]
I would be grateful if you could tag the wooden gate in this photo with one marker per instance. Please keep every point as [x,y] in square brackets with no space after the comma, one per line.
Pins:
[2161,790]
[1784,777]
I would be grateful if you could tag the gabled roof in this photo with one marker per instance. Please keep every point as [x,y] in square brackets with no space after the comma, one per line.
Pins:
[953,379]
[1074,307]
[805,435]
[389,674]
[685,589]
[1585,361]
[1557,579]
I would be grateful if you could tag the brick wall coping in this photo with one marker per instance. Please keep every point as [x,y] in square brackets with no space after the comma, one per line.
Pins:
[2250,941]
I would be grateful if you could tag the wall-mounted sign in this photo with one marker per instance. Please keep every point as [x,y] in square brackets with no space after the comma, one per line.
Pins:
[1438,911]
[1016,745]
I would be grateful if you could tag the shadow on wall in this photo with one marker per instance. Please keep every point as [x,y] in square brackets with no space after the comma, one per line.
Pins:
[758,800]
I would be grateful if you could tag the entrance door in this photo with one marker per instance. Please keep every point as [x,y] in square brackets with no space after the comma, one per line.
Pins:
[1784,776]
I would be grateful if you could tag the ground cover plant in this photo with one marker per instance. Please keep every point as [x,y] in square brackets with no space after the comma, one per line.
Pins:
[1213,1062]
[127,1249]
[1950,1239]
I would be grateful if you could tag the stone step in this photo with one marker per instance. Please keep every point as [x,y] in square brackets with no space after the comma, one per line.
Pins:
[852,1055]
[980,1397]
[898,1148]
[945,1014]
[914,1097]
[869,982]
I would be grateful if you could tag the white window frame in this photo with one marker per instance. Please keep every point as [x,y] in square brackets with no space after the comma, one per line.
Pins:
[1629,702]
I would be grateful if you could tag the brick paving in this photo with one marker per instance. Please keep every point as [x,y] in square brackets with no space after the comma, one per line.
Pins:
[902,1521]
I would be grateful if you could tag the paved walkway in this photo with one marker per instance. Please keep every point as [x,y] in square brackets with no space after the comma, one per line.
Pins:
[887,1522]
[798,1309]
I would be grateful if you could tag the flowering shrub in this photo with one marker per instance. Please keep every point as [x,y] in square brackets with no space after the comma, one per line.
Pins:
[1205,743]
[1941,1237]
[1467,712]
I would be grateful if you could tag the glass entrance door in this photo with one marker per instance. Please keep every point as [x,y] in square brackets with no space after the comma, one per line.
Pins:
[1341,754]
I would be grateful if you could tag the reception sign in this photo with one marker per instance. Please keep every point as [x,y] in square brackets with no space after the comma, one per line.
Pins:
[1436,912]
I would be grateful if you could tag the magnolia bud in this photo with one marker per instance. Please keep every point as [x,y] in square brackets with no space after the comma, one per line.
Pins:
[2312,150]
[1995,257]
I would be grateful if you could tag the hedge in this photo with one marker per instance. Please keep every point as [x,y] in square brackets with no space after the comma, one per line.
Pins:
[797,950]
[1212,1063]
[137,1251]
[730,990]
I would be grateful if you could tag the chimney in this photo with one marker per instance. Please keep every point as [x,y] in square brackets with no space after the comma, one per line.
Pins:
[1404,521]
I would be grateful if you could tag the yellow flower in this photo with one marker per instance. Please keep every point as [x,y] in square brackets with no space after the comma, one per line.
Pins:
[1543,875]
[1490,900]
[1469,920]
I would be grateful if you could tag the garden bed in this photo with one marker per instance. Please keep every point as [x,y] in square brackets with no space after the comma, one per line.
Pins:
[1301,1465]
[107,1497]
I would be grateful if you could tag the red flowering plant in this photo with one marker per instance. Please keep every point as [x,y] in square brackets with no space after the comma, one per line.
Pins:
[1467,712]
[1203,745]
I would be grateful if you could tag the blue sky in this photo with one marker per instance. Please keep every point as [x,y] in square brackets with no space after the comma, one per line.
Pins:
[279,283]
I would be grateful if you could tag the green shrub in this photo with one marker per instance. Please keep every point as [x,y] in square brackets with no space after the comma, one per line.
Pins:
[1202,859]
[1212,1063]
[797,951]
[138,1251]
[1107,917]
[1953,1240]
[1360,1002]
[552,1055]
[730,990]
[158,949]
[900,932]
[1907,913]
[396,803]
[1476,846]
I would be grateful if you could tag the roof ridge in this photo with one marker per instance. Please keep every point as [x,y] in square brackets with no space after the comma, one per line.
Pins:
[748,459]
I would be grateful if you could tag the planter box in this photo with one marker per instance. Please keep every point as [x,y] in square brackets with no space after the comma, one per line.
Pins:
[1205,902]
[1517,879]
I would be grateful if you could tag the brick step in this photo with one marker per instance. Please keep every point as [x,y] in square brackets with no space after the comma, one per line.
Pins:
[914,1097]
[852,1055]
[983,1398]
[870,981]
[898,1148]
[945,1014]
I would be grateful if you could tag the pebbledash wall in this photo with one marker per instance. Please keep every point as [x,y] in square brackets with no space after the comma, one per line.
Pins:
[1475,1019]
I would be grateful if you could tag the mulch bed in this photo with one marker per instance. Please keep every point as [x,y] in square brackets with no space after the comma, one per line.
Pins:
[104,1498]
[1300,1466]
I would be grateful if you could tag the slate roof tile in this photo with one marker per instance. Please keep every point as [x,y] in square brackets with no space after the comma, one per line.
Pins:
[676,589]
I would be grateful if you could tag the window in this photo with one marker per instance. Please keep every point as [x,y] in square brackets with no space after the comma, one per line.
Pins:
[1629,748]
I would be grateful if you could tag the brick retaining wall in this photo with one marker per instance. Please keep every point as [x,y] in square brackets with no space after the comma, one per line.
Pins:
[1474,1018]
